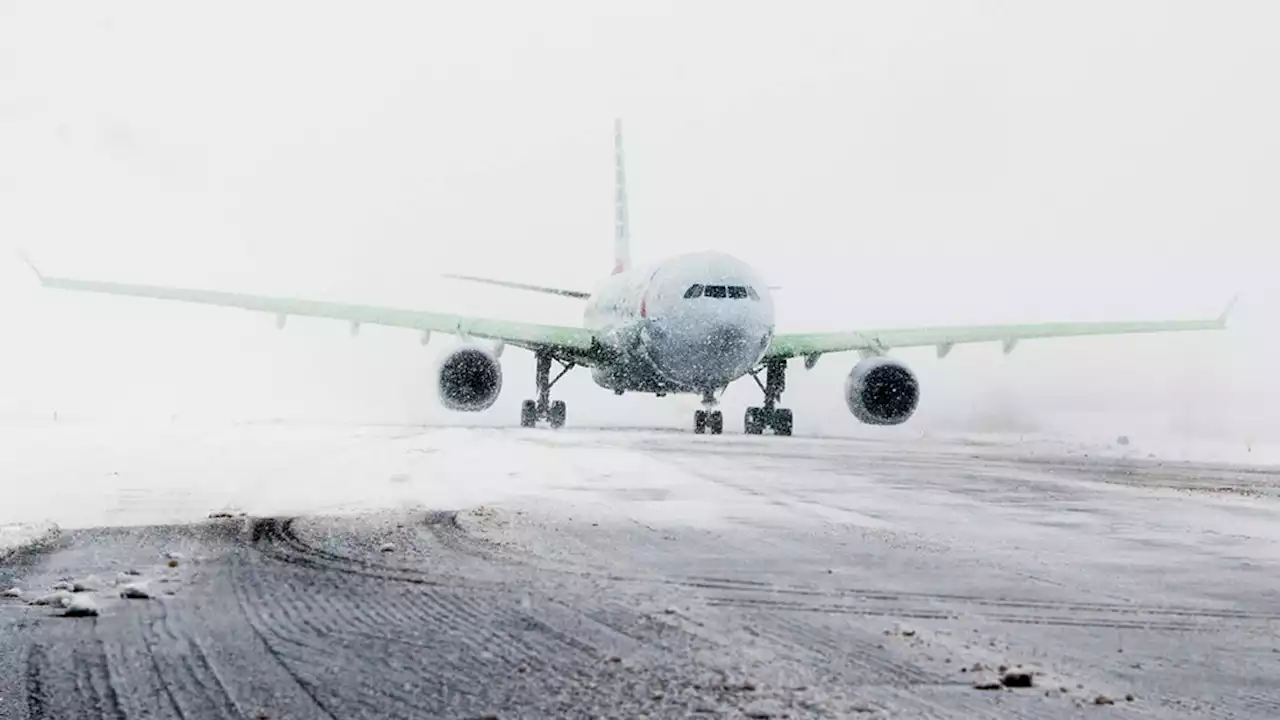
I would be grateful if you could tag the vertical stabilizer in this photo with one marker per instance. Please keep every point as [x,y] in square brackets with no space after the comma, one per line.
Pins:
[621,229]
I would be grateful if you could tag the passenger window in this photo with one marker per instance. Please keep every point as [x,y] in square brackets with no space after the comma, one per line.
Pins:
[751,292]
[715,291]
[693,292]
[737,292]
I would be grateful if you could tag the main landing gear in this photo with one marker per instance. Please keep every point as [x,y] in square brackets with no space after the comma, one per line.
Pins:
[770,416]
[531,411]
[708,420]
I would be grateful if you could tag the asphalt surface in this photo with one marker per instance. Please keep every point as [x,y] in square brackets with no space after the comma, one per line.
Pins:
[771,578]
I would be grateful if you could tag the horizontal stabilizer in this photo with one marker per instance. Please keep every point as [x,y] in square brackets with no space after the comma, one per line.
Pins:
[523,286]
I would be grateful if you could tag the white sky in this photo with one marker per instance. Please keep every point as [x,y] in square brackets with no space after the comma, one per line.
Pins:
[888,163]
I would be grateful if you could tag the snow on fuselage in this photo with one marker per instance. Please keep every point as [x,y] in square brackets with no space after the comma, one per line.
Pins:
[691,323]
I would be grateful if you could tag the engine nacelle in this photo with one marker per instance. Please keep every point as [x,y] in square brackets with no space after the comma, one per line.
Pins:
[470,379]
[881,391]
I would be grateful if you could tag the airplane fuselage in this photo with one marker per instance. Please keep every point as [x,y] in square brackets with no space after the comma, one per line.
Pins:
[692,323]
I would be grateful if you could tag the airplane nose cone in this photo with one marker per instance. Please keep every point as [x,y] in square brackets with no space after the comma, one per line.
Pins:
[729,341]
[708,357]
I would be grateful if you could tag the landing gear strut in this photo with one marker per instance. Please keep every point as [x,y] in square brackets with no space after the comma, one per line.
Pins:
[770,416]
[531,411]
[708,420]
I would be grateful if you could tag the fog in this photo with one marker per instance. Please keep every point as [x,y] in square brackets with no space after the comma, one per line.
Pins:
[887,164]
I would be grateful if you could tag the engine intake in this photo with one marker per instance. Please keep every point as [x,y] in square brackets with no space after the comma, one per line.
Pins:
[881,391]
[470,379]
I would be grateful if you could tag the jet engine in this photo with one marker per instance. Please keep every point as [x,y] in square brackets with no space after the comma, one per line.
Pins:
[881,391]
[470,379]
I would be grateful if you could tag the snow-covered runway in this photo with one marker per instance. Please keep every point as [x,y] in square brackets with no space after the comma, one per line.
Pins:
[453,572]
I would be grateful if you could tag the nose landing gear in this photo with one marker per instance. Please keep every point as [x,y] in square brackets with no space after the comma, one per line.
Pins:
[770,416]
[531,411]
[707,420]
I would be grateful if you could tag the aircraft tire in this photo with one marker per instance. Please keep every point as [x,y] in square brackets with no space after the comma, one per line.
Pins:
[782,421]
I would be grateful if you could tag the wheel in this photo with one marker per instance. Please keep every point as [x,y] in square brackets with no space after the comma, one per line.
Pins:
[782,420]
[557,414]
[715,422]
[753,424]
[528,413]
[699,422]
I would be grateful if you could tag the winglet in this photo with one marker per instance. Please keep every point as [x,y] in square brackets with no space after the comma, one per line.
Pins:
[26,259]
[1226,312]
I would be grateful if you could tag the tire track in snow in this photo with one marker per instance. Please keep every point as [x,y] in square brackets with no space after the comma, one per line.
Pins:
[284,622]
[183,663]
[464,648]
[562,647]
[71,676]
[96,669]
[871,664]
[262,630]
[944,614]
[892,602]
[465,607]
[283,544]
[444,608]
[37,701]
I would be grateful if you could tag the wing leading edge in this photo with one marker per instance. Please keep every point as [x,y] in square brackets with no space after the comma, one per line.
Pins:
[811,345]
[572,343]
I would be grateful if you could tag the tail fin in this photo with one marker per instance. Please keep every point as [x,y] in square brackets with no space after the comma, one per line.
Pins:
[621,230]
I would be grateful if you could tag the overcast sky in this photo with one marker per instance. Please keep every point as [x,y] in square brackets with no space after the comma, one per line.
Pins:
[887,163]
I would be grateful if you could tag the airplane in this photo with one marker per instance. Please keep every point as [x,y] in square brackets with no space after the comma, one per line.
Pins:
[692,323]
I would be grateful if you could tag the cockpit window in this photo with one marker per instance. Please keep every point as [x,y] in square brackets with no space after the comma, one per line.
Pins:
[735,292]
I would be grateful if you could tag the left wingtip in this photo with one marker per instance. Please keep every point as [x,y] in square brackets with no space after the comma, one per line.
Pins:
[1226,312]
[26,259]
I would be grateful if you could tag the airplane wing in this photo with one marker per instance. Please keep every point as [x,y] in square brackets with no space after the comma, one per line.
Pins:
[813,345]
[568,343]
